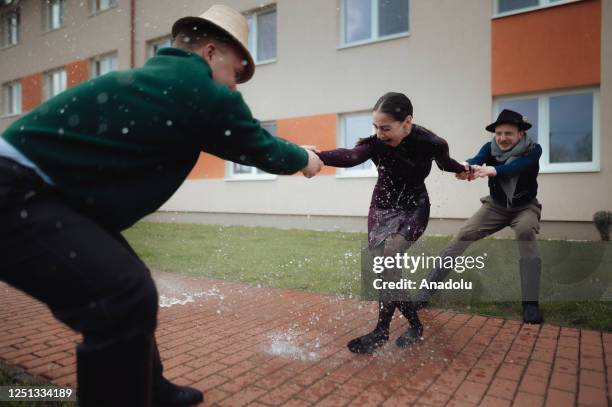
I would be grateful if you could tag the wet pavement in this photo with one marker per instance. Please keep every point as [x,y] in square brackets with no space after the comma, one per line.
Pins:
[247,345]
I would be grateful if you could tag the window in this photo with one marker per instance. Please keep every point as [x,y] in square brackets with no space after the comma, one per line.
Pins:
[12,98]
[353,127]
[156,45]
[101,5]
[55,83]
[262,35]
[566,125]
[54,14]
[370,20]
[10,29]
[508,7]
[103,64]
[239,171]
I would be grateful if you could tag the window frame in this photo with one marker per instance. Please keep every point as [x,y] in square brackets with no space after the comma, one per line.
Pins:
[97,59]
[543,99]
[6,28]
[96,11]
[374,37]
[341,138]
[542,4]
[253,29]
[48,13]
[49,82]
[151,44]
[6,90]
[255,174]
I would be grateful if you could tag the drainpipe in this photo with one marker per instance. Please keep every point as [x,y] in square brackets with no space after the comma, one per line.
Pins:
[132,33]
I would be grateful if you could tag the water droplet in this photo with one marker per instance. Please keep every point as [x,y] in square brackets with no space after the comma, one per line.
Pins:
[228,132]
[125,130]
[102,98]
[23,214]
[72,254]
[168,123]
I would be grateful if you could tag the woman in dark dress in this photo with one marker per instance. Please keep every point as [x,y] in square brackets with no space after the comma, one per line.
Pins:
[399,210]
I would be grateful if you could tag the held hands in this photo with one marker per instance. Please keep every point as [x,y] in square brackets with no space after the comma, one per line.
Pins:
[314,162]
[475,171]
[467,174]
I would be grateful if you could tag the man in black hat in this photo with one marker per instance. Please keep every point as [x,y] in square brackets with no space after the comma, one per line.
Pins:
[510,161]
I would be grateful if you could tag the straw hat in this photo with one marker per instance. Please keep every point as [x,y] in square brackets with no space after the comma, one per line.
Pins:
[232,23]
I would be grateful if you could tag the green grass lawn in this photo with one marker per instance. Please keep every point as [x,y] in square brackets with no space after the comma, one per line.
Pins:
[576,276]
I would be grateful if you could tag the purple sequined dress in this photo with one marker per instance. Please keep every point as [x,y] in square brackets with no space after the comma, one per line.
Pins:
[400,203]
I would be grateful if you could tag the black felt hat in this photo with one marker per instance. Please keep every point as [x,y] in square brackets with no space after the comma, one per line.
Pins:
[509,117]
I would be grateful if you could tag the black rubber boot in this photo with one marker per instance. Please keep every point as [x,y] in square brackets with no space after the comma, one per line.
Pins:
[415,331]
[530,270]
[380,335]
[531,313]
[115,375]
[167,394]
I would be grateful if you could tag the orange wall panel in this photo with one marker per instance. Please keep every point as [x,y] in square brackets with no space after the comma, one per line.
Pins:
[556,47]
[31,91]
[208,166]
[77,72]
[319,131]
[314,130]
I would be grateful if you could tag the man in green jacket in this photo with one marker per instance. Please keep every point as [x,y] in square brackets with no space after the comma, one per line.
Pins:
[92,161]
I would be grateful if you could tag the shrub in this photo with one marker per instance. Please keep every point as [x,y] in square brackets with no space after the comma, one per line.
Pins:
[603,220]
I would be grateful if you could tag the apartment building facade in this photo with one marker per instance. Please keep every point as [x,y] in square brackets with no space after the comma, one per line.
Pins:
[321,66]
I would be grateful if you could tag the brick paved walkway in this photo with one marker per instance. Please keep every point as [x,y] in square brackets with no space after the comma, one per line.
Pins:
[258,346]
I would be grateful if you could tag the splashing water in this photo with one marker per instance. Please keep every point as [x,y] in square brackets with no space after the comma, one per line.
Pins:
[283,344]
[173,292]
[166,302]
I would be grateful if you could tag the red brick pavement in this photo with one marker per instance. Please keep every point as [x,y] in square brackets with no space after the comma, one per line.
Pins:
[244,345]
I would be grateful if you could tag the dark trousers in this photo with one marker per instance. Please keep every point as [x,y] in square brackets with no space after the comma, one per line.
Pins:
[90,279]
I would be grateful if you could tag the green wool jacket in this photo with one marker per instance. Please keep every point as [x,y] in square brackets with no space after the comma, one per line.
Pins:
[118,146]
